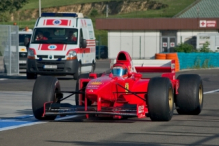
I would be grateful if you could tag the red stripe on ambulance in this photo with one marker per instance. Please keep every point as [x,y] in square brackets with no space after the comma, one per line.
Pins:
[52,47]
[62,22]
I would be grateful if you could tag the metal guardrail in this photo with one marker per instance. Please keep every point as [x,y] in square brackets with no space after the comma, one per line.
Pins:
[9,42]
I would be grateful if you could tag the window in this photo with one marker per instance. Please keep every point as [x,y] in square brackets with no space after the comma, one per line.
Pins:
[55,35]
[24,39]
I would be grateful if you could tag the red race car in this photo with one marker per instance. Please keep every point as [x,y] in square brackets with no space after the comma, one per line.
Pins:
[123,92]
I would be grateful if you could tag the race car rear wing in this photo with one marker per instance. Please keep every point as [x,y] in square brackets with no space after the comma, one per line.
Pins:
[156,66]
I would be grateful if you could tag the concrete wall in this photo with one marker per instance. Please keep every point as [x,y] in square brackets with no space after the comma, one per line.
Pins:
[140,44]
[144,44]
[190,36]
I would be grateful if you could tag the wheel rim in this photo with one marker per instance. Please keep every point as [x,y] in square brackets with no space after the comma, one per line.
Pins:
[170,99]
[200,95]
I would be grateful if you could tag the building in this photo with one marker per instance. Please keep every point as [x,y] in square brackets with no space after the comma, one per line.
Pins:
[143,37]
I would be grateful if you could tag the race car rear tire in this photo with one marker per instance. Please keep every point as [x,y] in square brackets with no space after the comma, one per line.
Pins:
[44,91]
[190,98]
[78,72]
[160,99]
[31,75]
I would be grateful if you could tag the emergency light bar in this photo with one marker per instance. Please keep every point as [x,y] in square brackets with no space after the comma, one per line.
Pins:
[59,15]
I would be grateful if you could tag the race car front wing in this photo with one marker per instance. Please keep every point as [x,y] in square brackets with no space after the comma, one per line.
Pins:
[130,110]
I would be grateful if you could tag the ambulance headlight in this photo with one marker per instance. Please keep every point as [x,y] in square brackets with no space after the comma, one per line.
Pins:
[72,55]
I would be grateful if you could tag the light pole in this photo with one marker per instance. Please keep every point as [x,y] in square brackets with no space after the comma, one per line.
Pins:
[39,8]
[107,10]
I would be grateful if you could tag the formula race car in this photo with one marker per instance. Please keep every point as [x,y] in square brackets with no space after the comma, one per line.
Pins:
[123,92]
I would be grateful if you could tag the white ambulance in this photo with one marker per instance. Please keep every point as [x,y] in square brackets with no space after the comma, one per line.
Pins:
[61,44]
[24,39]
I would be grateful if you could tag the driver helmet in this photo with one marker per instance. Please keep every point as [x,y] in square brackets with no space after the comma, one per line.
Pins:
[119,70]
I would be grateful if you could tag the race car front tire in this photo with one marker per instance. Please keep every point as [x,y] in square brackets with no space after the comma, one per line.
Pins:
[160,99]
[31,75]
[189,99]
[44,90]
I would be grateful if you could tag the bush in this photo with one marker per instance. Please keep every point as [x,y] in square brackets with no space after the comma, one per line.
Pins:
[93,13]
[205,47]
[184,47]
[4,17]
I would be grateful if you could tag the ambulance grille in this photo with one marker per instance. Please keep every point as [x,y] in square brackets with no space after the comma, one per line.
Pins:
[42,56]
[59,56]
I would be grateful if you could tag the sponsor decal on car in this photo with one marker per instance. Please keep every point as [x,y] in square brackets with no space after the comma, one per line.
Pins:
[96,83]
[127,87]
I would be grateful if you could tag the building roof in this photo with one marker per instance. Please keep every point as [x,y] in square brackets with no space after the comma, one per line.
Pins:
[201,9]
[158,24]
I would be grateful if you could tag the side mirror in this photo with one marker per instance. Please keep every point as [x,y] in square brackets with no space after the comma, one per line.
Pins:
[129,74]
[83,43]
[138,76]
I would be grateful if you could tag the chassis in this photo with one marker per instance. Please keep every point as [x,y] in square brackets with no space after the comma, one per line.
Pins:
[112,96]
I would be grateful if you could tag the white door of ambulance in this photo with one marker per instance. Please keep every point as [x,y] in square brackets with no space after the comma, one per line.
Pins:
[85,65]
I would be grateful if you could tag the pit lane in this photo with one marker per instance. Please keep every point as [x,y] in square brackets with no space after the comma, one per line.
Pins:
[15,105]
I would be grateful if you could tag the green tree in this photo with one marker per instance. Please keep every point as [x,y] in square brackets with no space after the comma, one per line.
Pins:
[11,5]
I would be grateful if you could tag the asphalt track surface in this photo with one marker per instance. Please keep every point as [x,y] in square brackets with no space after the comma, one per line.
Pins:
[19,127]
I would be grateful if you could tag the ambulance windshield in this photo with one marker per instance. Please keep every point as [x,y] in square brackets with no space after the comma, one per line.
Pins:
[55,35]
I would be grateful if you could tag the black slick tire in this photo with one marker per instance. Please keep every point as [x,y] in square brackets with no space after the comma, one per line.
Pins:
[160,99]
[190,98]
[44,91]
[31,75]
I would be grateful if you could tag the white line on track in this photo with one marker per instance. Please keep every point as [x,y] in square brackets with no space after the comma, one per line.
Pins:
[23,125]
[3,79]
[31,122]
[213,91]
[67,117]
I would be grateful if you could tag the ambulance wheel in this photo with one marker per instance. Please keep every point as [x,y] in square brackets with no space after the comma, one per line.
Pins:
[92,67]
[44,90]
[190,98]
[160,99]
[78,72]
[31,75]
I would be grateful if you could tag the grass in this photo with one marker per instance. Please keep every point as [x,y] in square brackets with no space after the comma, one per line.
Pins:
[34,4]
[172,9]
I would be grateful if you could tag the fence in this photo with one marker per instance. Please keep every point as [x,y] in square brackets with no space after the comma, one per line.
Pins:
[9,41]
